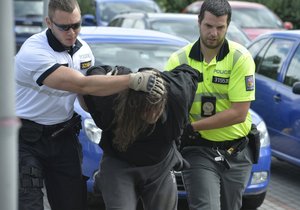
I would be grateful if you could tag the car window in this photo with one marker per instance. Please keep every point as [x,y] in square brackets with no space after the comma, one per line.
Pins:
[258,50]
[183,28]
[255,18]
[25,8]
[132,55]
[128,22]
[269,62]
[293,73]
[236,34]
[110,9]
[139,24]
[255,48]
[116,22]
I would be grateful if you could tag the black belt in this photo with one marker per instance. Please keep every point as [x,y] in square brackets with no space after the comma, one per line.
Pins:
[223,145]
[56,128]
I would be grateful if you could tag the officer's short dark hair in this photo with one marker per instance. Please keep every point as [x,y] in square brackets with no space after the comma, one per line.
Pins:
[217,8]
[63,5]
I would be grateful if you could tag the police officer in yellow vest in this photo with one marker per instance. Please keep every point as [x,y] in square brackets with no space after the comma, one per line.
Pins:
[220,157]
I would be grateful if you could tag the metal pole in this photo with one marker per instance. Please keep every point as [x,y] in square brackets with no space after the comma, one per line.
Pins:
[8,122]
[45,13]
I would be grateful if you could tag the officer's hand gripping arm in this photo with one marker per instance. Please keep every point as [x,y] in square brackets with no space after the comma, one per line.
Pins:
[147,81]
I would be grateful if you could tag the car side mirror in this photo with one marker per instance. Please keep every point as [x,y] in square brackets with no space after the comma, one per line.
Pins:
[88,20]
[296,88]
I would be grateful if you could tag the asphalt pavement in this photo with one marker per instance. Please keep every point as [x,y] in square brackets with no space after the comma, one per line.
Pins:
[283,191]
[284,188]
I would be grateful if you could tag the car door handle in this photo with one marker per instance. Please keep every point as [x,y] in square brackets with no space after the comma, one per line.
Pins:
[277,97]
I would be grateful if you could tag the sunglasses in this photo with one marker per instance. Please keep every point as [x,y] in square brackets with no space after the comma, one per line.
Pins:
[63,27]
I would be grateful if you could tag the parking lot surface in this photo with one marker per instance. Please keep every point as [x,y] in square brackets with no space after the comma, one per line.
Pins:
[283,192]
[284,188]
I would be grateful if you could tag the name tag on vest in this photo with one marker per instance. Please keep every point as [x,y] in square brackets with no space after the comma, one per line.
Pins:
[220,80]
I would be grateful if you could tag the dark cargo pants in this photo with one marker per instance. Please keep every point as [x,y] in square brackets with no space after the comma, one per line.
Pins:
[209,184]
[55,161]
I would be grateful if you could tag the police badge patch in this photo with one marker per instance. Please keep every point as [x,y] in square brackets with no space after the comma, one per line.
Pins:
[85,65]
[208,107]
[249,80]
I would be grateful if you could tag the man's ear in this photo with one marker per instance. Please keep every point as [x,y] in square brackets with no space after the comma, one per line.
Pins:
[48,22]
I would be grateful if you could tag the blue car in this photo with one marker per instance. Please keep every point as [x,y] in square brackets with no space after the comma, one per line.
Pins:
[105,10]
[277,58]
[136,48]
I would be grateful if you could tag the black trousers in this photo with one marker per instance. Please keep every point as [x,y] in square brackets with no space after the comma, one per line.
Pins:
[54,161]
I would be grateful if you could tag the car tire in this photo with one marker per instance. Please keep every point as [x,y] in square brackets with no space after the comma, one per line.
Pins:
[251,202]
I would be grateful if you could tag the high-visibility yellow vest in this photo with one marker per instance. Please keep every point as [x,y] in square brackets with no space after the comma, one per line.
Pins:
[229,77]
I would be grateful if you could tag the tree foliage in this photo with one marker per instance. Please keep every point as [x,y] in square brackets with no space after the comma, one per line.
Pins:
[86,6]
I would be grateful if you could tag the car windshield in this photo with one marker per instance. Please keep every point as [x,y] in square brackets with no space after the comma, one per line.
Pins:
[109,9]
[182,28]
[24,8]
[237,35]
[189,30]
[132,55]
[255,18]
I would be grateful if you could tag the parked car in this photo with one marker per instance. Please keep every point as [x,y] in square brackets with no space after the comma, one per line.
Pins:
[253,18]
[105,10]
[136,48]
[277,58]
[28,16]
[184,25]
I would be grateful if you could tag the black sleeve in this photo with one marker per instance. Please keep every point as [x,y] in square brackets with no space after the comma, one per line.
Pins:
[182,85]
[99,70]
[101,107]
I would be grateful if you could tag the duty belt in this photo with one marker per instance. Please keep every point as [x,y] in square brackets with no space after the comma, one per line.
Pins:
[230,145]
[56,129]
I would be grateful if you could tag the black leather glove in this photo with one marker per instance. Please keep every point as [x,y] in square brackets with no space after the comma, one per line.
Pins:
[188,137]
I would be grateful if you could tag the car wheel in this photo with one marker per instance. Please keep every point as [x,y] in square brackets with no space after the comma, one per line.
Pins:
[253,201]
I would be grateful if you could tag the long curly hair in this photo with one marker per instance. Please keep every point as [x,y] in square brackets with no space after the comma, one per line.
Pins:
[135,113]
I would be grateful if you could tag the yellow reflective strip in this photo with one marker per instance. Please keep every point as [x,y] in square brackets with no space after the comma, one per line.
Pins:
[218,96]
[196,117]
[182,57]
[236,56]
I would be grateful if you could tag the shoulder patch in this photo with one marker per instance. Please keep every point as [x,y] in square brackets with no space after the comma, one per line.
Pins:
[85,65]
[249,80]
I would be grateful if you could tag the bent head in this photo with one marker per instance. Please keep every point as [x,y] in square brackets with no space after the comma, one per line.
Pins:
[136,112]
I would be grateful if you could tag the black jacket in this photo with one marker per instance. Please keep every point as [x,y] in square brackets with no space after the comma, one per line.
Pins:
[148,149]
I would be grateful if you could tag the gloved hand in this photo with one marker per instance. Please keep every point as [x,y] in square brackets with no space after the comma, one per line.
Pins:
[147,81]
[188,137]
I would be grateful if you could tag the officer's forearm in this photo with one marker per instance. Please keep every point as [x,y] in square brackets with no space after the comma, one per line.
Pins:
[219,120]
